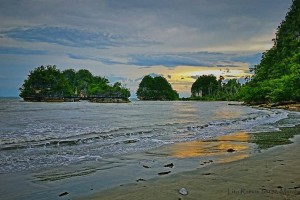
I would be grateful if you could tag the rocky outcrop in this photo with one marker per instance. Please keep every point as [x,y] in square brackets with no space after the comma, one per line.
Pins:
[109,100]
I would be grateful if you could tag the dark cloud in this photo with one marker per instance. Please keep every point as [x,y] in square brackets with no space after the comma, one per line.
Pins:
[252,59]
[105,61]
[73,37]
[177,59]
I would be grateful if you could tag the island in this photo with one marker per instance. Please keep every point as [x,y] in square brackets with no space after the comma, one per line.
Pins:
[49,84]
[156,89]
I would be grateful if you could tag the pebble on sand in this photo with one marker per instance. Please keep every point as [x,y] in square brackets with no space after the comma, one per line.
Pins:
[230,150]
[183,191]
[63,194]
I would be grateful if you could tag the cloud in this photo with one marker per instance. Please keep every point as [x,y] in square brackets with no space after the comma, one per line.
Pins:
[21,51]
[178,59]
[150,74]
[251,59]
[113,78]
[73,37]
[130,38]
[106,61]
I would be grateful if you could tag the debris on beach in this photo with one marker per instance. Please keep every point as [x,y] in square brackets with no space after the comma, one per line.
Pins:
[140,179]
[207,174]
[145,166]
[164,173]
[183,191]
[207,162]
[230,150]
[63,194]
[171,165]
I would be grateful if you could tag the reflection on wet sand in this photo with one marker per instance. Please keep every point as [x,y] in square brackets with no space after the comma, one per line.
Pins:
[217,147]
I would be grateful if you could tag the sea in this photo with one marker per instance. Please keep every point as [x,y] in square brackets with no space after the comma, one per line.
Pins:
[37,135]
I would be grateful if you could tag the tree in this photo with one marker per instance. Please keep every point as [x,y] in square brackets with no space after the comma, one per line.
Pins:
[207,85]
[157,88]
[277,76]
[43,81]
[49,82]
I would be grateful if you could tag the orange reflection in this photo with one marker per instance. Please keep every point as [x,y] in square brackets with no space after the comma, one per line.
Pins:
[216,147]
[226,112]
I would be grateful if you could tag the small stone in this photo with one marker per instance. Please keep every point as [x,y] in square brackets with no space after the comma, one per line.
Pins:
[171,165]
[230,150]
[183,191]
[63,194]
[164,173]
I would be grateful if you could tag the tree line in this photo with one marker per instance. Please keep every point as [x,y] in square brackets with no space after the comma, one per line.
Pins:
[50,82]
[277,77]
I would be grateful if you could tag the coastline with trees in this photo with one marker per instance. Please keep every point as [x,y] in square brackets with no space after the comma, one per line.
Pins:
[276,79]
[49,84]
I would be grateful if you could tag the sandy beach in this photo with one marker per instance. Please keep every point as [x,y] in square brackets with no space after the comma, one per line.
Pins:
[271,174]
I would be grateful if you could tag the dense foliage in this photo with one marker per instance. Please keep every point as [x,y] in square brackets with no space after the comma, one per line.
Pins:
[277,77]
[50,82]
[157,88]
[207,87]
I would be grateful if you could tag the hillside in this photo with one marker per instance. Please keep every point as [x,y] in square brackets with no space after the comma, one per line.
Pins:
[277,77]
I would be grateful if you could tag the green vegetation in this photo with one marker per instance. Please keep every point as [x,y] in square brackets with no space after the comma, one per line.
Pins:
[277,77]
[271,139]
[46,83]
[157,88]
[207,87]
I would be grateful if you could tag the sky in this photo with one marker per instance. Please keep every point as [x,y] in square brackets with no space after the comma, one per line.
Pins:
[124,40]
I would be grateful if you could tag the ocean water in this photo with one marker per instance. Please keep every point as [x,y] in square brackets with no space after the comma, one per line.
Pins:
[34,136]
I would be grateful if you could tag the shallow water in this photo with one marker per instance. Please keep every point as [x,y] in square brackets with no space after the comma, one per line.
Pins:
[34,136]
[47,149]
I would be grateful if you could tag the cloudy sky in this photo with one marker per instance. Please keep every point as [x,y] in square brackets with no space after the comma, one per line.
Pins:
[125,40]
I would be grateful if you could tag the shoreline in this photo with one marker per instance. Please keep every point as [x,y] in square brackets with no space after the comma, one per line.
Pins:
[272,174]
[120,174]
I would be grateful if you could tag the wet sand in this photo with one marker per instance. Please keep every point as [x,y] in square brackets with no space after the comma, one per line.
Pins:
[272,174]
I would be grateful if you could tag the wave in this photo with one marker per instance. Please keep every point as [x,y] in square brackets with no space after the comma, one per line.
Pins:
[165,131]
[45,144]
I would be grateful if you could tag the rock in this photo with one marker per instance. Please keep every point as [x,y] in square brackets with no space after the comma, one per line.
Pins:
[183,191]
[140,179]
[145,166]
[206,174]
[63,194]
[171,165]
[164,173]
[230,150]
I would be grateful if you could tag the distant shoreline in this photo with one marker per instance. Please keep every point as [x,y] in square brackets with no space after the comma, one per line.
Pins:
[77,99]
